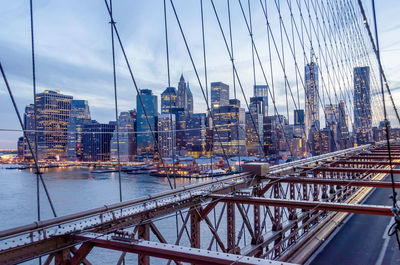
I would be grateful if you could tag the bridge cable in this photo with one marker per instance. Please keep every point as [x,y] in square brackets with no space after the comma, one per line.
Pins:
[265,10]
[324,84]
[140,98]
[375,50]
[34,114]
[198,80]
[112,22]
[28,141]
[207,132]
[170,107]
[234,82]
[346,53]
[136,88]
[355,36]
[207,99]
[35,110]
[236,73]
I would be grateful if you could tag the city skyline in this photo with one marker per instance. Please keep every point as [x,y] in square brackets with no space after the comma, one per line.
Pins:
[67,131]
[89,55]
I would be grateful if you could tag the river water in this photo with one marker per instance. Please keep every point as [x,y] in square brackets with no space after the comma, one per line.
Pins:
[76,189]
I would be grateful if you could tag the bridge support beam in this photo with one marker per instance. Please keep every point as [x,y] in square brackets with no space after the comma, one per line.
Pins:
[194,227]
[309,205]
[143,233]
[230,227]
[338,182]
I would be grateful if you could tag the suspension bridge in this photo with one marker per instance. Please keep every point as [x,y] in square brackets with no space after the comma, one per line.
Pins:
[287,211]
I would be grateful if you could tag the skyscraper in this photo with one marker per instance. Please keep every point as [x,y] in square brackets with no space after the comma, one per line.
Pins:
[219,95]
[311,98]
[195,135]
[254,136]
[343,127]
[298,117]
[53,111]
[262,91]
[96,141]
[127,143]
[184,96]
[166,134]
[29,124]
[168,100]
[145,140]
[331,116]
[362,105]
[270,137]
[231,136]
[79,115]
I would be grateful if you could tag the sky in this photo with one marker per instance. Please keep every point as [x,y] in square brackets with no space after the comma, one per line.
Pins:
[73,53]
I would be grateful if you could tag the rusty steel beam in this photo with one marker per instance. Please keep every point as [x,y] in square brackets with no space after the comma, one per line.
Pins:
[173,252]
[230,227]
[308,205]
[355,170]
[194,227]
[375,156]
[369,163]
[344,182]
[144,233]
[81,253]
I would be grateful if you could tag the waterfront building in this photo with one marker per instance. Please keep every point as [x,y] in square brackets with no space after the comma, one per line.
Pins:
[195,134]
[180,121]
[97,140]
[254,134]
[145,139]
[231,136]
[166,134]
[270,137]
[168,100]
[126,139]
[53,111]
[219,95]
[79,115]
[184,96]
[311,98]
[29,126]
[262,92]
[362,105]
[20,148]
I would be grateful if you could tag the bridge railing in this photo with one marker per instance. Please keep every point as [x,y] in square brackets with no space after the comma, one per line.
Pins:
[98,217]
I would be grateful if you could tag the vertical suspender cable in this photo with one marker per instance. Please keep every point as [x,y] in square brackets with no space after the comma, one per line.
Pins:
[206,82]
[152,131]
[234,81]
[207,99]
[35,115]
[112,22]
[270,56]
[33,152]
[198,79]
[169,91]
[170,108]
[35,111]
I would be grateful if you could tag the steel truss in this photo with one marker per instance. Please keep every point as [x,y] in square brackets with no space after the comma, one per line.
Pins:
[267,217]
